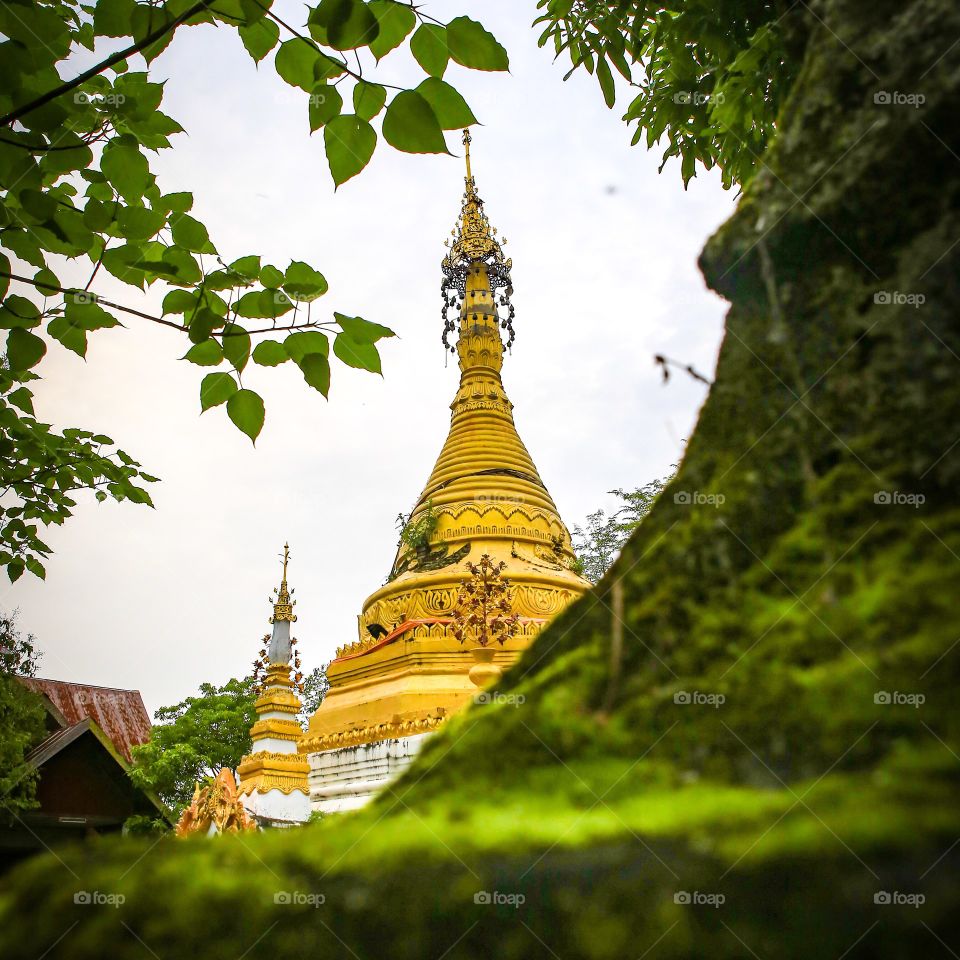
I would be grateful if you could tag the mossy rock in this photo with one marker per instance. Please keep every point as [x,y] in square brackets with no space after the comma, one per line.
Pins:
[814,599]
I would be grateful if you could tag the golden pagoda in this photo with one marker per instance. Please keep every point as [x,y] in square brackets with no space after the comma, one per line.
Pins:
[407,672]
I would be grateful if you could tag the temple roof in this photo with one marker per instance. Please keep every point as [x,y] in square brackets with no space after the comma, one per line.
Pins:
[121,714]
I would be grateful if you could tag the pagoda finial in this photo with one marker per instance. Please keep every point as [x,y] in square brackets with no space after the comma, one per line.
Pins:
[467,140]
[283,605]
[474,243]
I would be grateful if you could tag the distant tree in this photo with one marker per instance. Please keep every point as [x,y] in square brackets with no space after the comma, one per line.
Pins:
[314,689]
[22,718]
[600,542]
[195,739]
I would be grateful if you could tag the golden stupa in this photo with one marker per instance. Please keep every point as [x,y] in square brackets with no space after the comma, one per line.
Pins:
[407,672]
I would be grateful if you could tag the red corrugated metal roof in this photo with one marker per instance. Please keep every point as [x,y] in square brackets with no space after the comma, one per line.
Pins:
[119,713]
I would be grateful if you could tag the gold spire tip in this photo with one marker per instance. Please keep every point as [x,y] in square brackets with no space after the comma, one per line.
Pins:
[283,605]
[467,140]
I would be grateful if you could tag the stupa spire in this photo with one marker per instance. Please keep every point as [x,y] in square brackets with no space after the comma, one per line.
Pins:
[475,252]
[273,776]
[283,615]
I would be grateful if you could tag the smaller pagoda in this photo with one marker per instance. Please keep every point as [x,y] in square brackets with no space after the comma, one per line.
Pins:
[273,776]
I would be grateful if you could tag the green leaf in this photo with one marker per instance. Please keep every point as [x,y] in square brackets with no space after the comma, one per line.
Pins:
[449,107]
[363,331]
[302,282]
[202,323]
[236,345]
[248,267]
[82,310]
[472,46]
[353,353]
[112,18]
[299,345]
[349,142]
[40,206]
[175,202]
[24,349]
[245,409]
[127,169]
[348,23]
[368,99]
[215,389]
[325,104]
[263,304]
[22,398]
[71,335]
[179,301]
[190,234]
[136,223]
[395,20]
[429,48]
[411,125]
[605,77]
[316,371]
[18,311]
[294,62]
[259,38]
[270,276]
[206,354]
[270,353]
[184,267]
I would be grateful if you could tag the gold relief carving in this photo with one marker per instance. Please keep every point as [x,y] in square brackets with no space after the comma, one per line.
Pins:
[283,701]
[438,600]
[541,601]
[267,782]
[358,646]
[358,736]
[507,507]
[466,406]
[278,729]
[269,770]
[491,530]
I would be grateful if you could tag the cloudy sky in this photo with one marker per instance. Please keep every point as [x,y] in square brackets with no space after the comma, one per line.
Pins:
[604,252]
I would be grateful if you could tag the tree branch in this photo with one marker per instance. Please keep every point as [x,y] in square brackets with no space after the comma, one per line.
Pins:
[183,328]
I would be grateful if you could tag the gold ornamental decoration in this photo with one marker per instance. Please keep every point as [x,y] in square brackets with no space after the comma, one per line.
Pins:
[483,610]
[216,805]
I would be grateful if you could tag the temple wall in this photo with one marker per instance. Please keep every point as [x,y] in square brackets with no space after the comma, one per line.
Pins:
[346,779]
